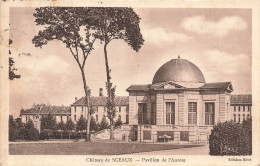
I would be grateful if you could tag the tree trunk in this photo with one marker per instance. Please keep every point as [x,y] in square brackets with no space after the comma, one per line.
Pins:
[109,90]
[87,101]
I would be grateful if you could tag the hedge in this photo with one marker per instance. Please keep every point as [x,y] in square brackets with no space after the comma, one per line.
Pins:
[230,138]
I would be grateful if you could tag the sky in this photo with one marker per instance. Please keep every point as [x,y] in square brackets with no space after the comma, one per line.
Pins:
[218,41]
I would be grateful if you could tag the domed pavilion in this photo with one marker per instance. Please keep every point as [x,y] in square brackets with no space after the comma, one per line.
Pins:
[179,106]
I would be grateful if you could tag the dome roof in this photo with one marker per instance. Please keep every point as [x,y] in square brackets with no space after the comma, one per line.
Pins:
[179,70]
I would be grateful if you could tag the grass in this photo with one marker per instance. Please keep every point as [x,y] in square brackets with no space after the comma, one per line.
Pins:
[88,148]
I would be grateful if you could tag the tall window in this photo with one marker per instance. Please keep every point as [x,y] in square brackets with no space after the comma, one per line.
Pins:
[119,108]
[127,115]
[142,113]
[209,113]
[105,108]
[97,118]
[235,118]
[170,113]
[60,118]
[192,113]
[153,117]
[119,117]
[249,108]
[244,117]
[238,108]
[75,118]
[75,109]
[244,108]
[127,119]
[82,110]
[235,108]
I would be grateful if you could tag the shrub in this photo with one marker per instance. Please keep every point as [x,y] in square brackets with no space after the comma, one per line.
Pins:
[42,136]
[118,122]
[33,134]
[230,138]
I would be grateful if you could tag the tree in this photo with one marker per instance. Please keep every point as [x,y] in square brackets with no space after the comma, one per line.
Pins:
[70,126]
[12,129]
[81,125]
[20,127]
[118,122]
[115,23]
[48,124]
[29,132]
[93,125]
[62,127]
[103,124]
[64,24]
[12,69]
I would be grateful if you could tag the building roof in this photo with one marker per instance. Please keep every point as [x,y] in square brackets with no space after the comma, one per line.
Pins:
[218,85]
[102,101]
[139,87]
[46,109]
[241,99]
[179,70]
[184,85]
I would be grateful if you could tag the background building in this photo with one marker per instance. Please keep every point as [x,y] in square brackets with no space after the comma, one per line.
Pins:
[61,113]
[240,107]
[79,108]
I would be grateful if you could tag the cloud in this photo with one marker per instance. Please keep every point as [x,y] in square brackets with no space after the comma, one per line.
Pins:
[43,64]
[217,60]
[200,25]
[158,35]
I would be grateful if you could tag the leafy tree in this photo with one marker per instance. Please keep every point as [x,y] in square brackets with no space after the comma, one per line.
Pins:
[93,125]
[115,23]
[103,124]
[12,129]
[20,127]
[48,124]
[12,69]
[118,122]
[70,126]
[81,125]
[29,132]
[61,126]
[64,24]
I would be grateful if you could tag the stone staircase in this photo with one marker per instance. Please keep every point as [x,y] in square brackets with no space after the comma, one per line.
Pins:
[105,134]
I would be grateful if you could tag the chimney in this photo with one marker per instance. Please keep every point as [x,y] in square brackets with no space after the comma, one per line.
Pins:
[76,99]
[100,91]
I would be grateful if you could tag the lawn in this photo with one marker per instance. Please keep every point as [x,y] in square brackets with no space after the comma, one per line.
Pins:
[88,148]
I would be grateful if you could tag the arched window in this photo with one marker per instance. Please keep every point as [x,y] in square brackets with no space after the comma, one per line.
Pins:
[235,118]
[119,117]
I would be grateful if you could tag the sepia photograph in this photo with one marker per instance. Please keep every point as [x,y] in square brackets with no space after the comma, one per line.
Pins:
[104,81]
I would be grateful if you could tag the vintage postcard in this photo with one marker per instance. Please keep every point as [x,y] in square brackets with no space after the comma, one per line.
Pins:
[129,83]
